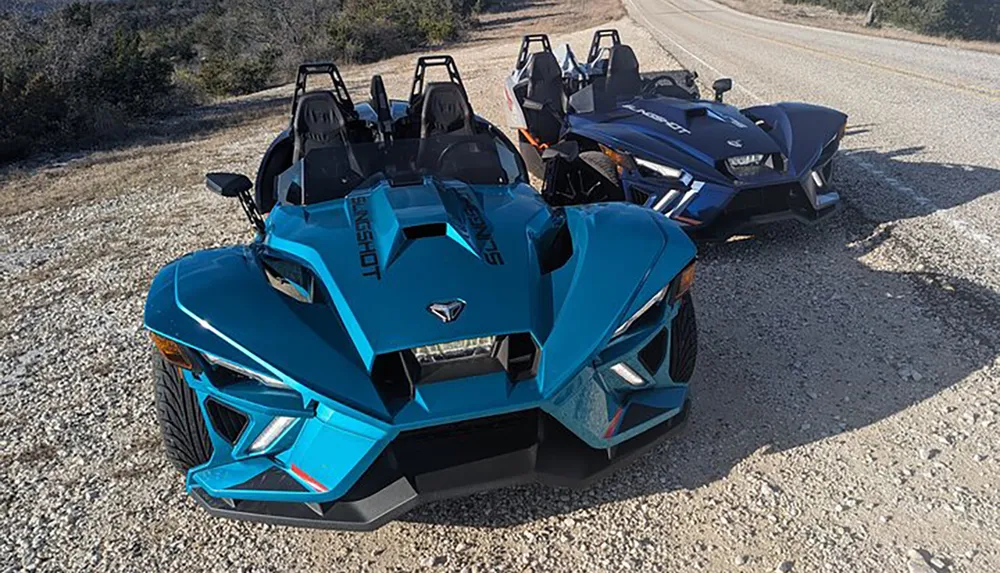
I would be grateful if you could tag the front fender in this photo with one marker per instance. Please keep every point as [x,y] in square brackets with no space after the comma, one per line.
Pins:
[623,254]
[802,130]
[218,301]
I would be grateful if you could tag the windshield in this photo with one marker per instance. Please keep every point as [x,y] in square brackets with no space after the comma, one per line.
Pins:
[332,171]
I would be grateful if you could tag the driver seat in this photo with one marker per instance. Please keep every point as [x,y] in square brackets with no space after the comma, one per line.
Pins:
[449,148]
[623,79]
[318,124]
[446,111]
[545,87]
[319,129]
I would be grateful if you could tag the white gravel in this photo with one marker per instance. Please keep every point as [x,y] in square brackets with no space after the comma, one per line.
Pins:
[834,360]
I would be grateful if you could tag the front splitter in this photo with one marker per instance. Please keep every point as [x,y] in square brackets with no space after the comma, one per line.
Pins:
[422,468]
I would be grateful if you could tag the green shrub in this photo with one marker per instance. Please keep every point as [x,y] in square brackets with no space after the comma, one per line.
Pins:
[220,77]
[966,19]
[369,30]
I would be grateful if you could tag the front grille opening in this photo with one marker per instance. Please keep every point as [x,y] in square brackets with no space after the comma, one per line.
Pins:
[425,231]
[438,447]
[519,356]
[228,423]
[764,200]
[417,454]
[653,354]
[640,197]
[395,375]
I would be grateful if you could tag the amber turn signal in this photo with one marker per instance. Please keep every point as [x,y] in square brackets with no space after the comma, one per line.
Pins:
[621,160]
[685,281]
[172,351]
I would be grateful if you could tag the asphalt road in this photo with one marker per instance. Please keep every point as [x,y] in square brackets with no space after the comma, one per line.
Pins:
[925,119]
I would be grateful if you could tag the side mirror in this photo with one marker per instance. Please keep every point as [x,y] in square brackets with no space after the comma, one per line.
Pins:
[228,184]
[566,150]
[722,86]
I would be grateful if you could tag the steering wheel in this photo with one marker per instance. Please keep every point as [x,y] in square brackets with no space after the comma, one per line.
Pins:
[652,86]
[466,145]
[454,146]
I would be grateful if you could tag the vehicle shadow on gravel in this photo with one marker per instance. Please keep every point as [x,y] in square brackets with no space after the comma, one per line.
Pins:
[897,193]
[804,336]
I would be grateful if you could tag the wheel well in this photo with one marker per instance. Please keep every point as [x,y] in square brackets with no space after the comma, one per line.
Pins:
[585,143]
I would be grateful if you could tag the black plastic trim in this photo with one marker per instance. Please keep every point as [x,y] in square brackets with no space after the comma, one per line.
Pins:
[272,479]
[483,454]
[226,421]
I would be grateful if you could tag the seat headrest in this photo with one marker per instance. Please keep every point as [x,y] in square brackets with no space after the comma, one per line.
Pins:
[543,66]
[623,76]
[318,123]
[446,110]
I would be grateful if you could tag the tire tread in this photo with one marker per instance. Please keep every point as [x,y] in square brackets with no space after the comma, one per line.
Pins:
[185,435]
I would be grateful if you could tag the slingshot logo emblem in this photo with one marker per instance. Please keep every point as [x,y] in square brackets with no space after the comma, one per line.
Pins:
[447,311]
[737,143]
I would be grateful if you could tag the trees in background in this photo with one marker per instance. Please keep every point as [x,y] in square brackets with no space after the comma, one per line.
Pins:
[81,72]
[965,19]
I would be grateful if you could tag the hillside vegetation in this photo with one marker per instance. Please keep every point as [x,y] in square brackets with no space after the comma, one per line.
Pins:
[82,72]
[964,19]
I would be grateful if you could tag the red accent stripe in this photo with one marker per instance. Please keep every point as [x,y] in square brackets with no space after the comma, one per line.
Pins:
[613,426]
[308,479]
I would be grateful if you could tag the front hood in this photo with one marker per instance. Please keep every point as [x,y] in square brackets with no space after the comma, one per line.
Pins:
[677,132]
[386,254]
[383,255]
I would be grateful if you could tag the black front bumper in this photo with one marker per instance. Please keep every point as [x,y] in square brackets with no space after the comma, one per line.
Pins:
[449,461]
[764,205]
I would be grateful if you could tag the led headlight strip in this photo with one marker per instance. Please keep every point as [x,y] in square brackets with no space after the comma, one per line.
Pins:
[264,379]
[663,170]
[659,296]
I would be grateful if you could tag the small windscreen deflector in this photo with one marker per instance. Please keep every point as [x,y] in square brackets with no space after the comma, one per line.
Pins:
[332,172]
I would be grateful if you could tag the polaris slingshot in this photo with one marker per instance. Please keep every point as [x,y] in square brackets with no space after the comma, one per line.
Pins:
[652,141]
[413,321]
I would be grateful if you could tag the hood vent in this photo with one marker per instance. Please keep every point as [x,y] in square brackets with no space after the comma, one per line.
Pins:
[425,231]
[554,246]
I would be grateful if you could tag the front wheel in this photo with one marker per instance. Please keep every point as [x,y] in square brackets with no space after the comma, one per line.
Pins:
[683,342]
[185,436]
[591,178]
[608,186]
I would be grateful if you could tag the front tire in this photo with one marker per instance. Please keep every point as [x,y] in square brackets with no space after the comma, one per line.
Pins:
[684,342]
[185,436]
[610,187]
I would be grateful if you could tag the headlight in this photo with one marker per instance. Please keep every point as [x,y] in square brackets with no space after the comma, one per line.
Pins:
[274,430]
[627,374]
[745,160]
[457,350]
[659,296]
[269,381]
[663,170]
[680,285]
